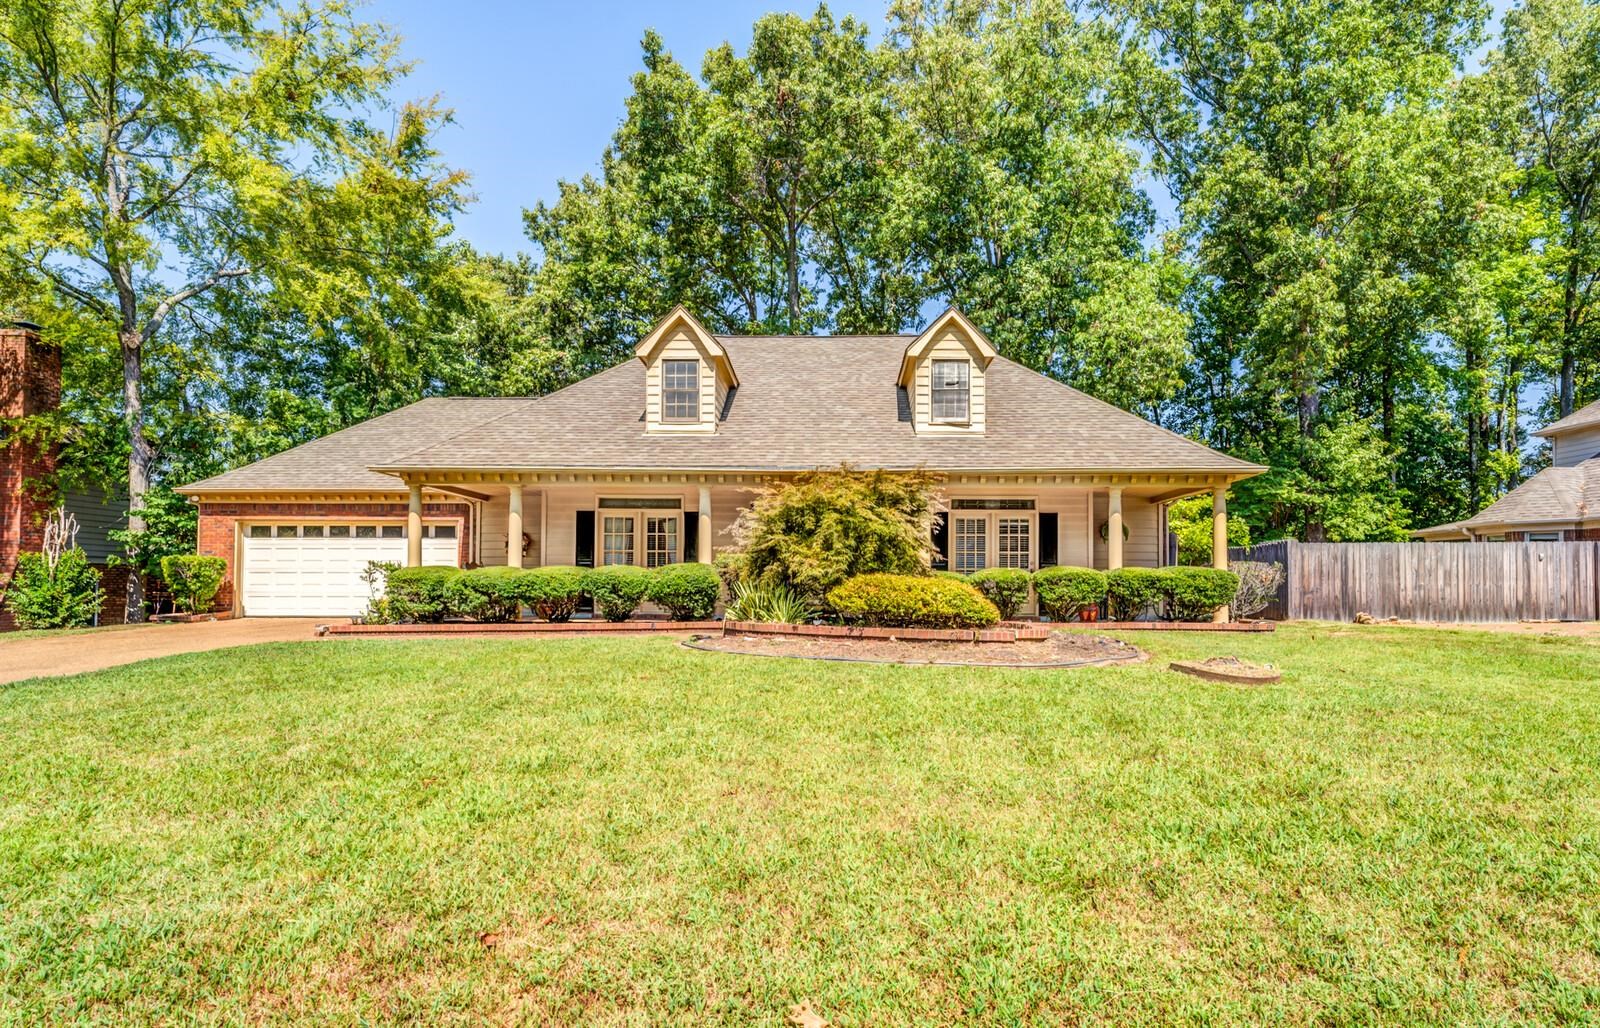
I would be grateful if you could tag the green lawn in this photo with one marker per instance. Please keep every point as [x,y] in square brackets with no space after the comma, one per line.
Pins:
[1405,830]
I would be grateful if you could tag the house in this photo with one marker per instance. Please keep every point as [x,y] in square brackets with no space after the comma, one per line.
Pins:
[1559,504]
[650,462]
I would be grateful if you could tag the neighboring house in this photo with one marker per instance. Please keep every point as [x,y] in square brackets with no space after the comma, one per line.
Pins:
[650,462]
[1560,503]
[30,385]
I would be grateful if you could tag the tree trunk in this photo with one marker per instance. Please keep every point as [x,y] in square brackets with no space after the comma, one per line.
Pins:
[140,457]
[791,258]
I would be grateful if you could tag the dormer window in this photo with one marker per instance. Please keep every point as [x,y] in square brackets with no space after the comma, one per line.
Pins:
[952,391]
[680,391]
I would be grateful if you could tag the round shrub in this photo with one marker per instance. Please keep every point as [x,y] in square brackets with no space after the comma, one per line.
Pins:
[912,601]
[420,594]
[688,592]
[617,590]
[488,594]
[66,596]
[554,592]
[1006,588]
[1194,594]
[1064,591]
[193,579]
[1131,591]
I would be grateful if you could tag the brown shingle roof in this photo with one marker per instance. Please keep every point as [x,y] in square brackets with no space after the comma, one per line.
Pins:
[340,462]
[803,402]
[1580,418]
[1553,495]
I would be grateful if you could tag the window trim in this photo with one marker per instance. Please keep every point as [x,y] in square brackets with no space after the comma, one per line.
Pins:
[965,390]
[638,510]
[667,418]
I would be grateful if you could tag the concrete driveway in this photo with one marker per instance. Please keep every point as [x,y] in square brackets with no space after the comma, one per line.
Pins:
[71,653]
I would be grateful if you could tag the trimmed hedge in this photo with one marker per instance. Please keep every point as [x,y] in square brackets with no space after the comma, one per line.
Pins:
[1006,588]
[488,594]
[554,592]
[1132,591]
[688,592]
[193,579]
[1064,591]
[1194,594]
[420,594]
[912,601]
[617,590]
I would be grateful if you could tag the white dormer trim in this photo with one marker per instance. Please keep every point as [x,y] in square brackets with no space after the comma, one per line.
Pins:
[984,350]
[951,337]
[679,317]
[680,337]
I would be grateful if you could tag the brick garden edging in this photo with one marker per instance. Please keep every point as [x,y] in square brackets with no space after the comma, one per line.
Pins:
[1009,632]
[521,627]
[1171,626]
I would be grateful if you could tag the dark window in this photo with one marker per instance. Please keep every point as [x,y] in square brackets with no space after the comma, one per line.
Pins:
[311,532]
[680,390]
[443,531]
[288,530]
[366,531]
[641,503]
[991,504]
[394,531]
[951,390]
[261,531]
[338,531]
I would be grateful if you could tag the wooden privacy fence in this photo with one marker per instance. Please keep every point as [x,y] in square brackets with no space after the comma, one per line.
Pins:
[1434,581]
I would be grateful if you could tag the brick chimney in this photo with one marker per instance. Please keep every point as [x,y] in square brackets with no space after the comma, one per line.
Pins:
[30,383]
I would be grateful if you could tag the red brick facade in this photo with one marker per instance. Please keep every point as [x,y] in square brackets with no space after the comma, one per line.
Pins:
[30,384]
[217,521]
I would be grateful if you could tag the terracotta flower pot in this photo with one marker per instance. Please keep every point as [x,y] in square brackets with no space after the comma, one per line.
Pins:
[1089,614]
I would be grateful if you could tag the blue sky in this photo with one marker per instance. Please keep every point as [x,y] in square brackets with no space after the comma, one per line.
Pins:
[538,88]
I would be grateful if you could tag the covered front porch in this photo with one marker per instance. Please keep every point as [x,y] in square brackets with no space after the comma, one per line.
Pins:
[596,518]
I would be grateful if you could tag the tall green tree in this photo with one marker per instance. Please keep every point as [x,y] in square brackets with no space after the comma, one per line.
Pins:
[1022,204]
[158,151]
[1550,60]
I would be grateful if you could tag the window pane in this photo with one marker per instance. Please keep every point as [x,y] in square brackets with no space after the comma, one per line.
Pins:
[971,544]
[991,504]
[616,544]
[288,530]
[444,531]
[261,531]
[950,390]
[1012,539]
[660,541]
[641,503]
[366,531]
[311,532]
[680,390]
[339,531]
[394,531]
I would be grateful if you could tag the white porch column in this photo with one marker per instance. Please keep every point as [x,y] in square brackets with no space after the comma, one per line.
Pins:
[1114,529]
[1219,541]
[702,545]
[514,528]
[414,527]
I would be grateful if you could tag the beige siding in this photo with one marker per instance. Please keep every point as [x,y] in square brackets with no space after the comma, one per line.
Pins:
[496,523]
[953,344]
[1575,447]
[681,346]
[1143,548]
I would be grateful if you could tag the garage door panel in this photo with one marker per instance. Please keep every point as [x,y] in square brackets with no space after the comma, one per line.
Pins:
[320,575]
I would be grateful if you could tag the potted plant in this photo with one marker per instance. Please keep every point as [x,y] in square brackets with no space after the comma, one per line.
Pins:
[1089,612]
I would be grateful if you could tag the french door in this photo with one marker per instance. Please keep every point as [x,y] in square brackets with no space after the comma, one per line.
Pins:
[991,539]
[645,538]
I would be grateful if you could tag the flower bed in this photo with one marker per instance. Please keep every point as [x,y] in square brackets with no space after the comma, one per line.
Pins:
[1008,632]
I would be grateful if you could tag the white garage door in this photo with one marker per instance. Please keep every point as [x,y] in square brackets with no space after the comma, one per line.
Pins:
[314,568]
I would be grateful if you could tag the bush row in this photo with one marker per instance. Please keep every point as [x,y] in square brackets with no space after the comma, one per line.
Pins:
[688,592]
[1185,593]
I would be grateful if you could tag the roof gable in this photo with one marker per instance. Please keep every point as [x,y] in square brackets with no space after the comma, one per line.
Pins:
[978,344]
[679,317]
[1583,417]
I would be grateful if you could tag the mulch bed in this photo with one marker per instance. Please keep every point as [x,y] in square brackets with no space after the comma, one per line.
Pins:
[1057,651]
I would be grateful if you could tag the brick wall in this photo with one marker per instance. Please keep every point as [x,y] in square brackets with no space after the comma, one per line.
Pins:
[217,520]
[1583,535]
[30,384]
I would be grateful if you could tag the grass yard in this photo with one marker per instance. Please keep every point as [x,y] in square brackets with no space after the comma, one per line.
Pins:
[1405,830]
